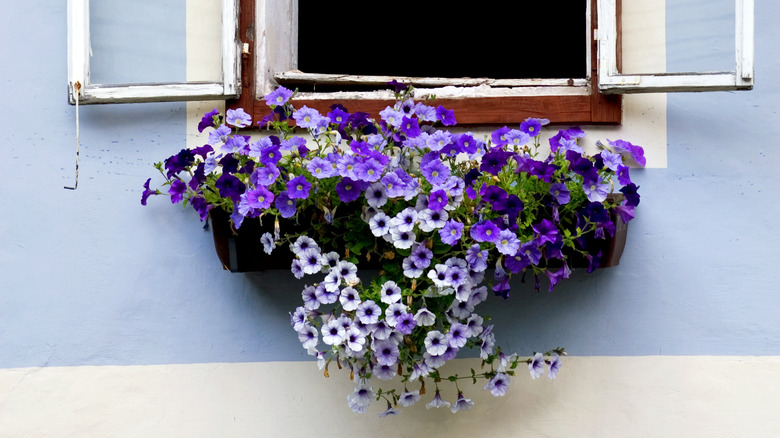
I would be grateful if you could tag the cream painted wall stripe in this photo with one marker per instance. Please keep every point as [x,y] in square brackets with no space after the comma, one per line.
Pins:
[645,396]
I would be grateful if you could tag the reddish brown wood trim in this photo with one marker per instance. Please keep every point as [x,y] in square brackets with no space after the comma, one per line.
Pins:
[482,110]
[605,108]
[595,108]
[246,31]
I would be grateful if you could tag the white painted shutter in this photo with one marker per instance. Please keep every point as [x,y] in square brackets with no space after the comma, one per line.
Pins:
[79,74]
[611,81]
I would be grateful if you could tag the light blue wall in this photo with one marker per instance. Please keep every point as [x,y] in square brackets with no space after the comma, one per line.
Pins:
[89,277]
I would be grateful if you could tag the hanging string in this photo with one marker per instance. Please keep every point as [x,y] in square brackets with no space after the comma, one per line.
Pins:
[77,88]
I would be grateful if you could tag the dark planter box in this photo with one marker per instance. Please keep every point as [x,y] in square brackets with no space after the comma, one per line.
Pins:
[241,250]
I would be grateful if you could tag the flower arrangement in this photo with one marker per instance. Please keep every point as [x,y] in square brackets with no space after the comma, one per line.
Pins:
[434,209]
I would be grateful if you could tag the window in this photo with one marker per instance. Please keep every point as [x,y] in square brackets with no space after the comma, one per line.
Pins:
[526,40]
[273,60]
[79,52]
[610,80]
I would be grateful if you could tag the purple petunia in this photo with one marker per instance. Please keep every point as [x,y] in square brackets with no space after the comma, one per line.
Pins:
[611,160]
[437,200]
[298,187]
[279,96]
[516,138]
[595,189]
[477,258]
[494,161]
[349,190]
[264,176]
[445,116]
[421,256]
[451,232]
[457,336]
[405,323]
[438,140]
[321,168]
[410,127]
[238,118]
[392,117]
[285,205]
[531,251]
[546,231]
[259,198]
[219,135]
[177,190]
[307,118]
[369,170]
[561,193]
[270,155]
[630,192]
[230,187]
[533,126]
[485,231]
[507,242]
[625,148]
[208,120]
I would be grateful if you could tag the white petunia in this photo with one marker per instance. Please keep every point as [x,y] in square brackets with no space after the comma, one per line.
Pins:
[390,292]
[268,243]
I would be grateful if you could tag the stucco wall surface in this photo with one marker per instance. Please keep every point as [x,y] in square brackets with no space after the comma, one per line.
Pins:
[117,319]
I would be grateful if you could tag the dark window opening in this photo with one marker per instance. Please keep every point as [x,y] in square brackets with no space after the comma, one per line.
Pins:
[423,38]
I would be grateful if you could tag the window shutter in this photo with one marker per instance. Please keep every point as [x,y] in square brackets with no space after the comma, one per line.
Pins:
[79,73]
[612,81]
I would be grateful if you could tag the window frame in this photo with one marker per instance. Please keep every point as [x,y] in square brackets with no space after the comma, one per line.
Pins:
[610,80]
[79,84]
[559,101]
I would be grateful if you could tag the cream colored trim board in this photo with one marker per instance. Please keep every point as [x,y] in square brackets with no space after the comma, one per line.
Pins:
[203,29]
[644,396]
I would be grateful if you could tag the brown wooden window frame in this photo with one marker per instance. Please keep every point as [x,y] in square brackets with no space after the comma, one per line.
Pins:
[586,109]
